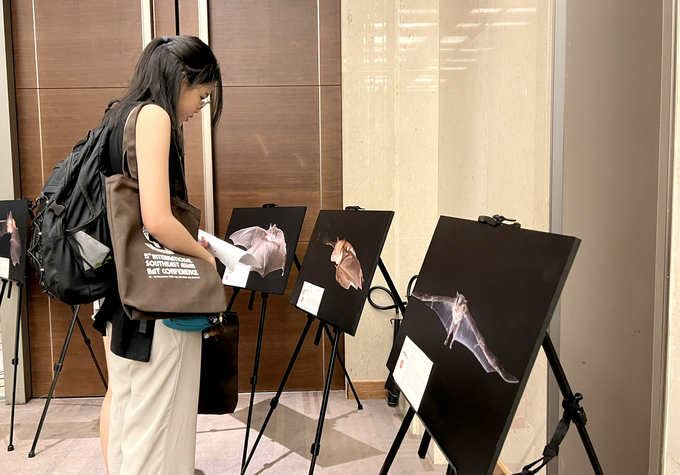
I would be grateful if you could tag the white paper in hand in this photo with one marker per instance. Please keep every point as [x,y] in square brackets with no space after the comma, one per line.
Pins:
[228,254]
[238,277]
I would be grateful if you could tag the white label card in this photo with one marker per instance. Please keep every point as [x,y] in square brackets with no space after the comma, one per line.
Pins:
[310,298]
[4,268]
[238,277]
[412,372]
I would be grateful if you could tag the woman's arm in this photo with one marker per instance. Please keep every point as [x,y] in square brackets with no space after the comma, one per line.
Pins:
[153,147]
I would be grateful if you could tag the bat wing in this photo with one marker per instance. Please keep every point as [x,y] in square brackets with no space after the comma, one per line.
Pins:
[15,247]
[248,237]
[348,273]
[3,227]
[270,255]
[469,335]
[442,306]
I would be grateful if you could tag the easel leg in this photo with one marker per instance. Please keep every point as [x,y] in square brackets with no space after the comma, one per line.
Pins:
[408,417]
[57,369]
[342,365]
[253,379]
[324,403]
[15,363]
[568,396]
[89,347]
[275,400]
[424,445]
[2,292]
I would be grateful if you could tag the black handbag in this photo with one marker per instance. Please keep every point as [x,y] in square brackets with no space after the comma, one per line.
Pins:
[219,370]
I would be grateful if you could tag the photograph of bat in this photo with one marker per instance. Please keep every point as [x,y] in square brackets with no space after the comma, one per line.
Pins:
[348,271]
[460,326]
[9,226]
[267,246]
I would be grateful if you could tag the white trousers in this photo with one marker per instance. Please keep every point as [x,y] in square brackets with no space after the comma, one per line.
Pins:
[154,407]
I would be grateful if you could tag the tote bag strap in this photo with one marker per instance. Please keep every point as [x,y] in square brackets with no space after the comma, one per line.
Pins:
[130,143]
[130,147]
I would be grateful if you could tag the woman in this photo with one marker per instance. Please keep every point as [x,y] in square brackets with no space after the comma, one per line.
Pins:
[154,371]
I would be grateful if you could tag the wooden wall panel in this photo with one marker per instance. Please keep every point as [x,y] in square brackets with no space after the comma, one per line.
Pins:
[280,141]
[83,44]
[261,42]
[188,17]
[331,147]
[23,44]
[83,47]
[66,117]
[28,131]
[330,49]
[266,150]
[274,144]
[163,18]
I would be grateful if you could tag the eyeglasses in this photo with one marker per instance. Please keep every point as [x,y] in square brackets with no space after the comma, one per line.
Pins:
[204,102]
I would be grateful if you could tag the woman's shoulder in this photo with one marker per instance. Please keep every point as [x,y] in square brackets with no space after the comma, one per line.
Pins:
[154,113]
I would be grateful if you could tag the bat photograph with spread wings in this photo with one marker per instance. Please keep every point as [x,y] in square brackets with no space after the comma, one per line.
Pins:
[267,246]
[460,326]
[271,236]
[341,259]
[479,311]
[13,234]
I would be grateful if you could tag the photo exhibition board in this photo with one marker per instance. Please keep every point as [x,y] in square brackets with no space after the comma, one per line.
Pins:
[271,235]
[339,265]
[13,239]
[478,315]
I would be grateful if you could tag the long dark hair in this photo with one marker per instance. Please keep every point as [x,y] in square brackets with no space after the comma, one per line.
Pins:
[158,76]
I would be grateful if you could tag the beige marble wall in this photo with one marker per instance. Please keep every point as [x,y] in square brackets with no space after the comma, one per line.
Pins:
[672,450]
[672,453]
[390,114]
[446,110]
[494,145]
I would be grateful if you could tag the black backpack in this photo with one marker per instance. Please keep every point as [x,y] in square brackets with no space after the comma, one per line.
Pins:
[70,247]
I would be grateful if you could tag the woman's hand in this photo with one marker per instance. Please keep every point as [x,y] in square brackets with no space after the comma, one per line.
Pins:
[206,246]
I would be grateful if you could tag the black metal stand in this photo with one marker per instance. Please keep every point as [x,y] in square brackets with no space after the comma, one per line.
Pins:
[390,385]
[58,367]
[573,413]
[323,326]
[253,379]
[275,400]
[15,360]
[335,339]
[401,433]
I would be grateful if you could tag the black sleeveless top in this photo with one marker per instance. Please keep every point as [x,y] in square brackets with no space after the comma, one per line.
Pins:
[131,339]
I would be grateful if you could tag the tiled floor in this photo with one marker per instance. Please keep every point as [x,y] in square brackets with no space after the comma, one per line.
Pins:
[354,442]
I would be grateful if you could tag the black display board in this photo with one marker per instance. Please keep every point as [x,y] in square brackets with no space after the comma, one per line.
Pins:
[13,239]
[480,311]
[342,256]
[271,234]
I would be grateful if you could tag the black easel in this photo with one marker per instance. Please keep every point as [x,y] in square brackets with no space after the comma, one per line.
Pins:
[15,360]
[335,339]
[573,412]
[256,365]
[58,367]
